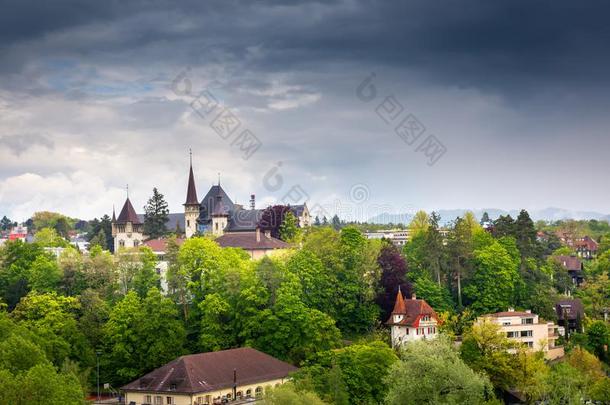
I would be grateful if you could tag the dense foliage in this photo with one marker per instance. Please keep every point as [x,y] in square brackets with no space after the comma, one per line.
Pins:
[321,306]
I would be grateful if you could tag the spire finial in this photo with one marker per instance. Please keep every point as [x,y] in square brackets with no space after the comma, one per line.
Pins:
[219,178]
[127,190]
[191,156]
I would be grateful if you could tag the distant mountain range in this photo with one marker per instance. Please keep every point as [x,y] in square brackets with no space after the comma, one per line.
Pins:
[547,214]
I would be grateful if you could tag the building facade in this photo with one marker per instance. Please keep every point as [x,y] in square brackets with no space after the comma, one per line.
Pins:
[209,378]
[528,330]
[127,229]
[412,319]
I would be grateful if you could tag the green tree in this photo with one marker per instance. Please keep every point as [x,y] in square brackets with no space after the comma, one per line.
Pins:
[485,350]
[492,286]
[155,215]
[5,223]
[419,223]
[48,237]
[286,394]
[598,339]
[140,335]
[439,375]
[289,229]
[53,317]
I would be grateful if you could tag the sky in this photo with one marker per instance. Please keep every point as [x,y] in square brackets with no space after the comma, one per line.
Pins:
[357,107]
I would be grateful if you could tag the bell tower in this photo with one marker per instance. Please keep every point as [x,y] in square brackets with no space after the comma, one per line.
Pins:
[191,206]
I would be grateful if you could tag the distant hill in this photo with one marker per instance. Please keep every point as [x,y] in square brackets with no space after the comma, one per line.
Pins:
[547,214]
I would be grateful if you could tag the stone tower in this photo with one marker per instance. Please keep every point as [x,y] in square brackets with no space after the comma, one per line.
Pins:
[127,229]
[191,206]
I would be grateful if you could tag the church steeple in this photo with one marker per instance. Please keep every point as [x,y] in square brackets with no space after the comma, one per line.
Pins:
[191,191]
[191,206]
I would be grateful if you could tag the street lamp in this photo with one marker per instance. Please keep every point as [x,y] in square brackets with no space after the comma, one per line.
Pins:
[97,355]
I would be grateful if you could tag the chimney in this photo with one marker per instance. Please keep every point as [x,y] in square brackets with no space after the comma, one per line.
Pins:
[268,233]
[258,234]
[413,296]
[528,311]
[511,309]
[252,201]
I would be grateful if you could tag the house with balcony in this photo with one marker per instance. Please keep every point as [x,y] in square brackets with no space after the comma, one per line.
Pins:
[529,330]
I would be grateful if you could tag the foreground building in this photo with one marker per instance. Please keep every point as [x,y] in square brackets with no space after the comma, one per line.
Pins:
[209,378]
[411,320]
[528,330]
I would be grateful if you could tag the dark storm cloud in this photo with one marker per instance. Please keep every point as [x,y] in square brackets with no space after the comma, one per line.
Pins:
[470,43]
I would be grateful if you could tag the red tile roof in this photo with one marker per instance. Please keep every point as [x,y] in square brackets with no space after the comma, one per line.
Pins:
[160,245]
[412,310]
[128,214]
[247,241]
[586,243]
[205,372]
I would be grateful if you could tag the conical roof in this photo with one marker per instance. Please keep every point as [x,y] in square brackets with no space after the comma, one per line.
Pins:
[191,192]
[399,305]
[128,214]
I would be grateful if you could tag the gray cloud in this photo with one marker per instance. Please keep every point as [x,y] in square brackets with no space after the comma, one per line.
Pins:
[517,88]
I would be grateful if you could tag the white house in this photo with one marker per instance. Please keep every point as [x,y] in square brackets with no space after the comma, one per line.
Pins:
[412,319]
[529,330]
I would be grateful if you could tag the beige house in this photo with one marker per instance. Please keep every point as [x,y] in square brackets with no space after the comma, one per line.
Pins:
[209,378]
[529,330]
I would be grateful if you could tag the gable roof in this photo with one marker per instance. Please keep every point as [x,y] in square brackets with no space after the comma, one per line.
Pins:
[247,241]
[128,214]
[212,371]
[297,210]
[191,191]
[571,263]
[412,311]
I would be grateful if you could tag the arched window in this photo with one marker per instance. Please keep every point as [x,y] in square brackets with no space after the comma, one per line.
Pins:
[248,393]
[259,391]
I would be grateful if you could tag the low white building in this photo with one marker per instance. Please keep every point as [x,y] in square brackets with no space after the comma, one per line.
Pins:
[529,330]
[412,319]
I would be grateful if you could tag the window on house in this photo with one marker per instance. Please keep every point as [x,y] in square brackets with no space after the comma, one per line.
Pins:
[159,400]
[147,399]
[188,222]
[527,321]
[407,331]
[506,323]
[417,331]
[170,400]
[238,395]
[526,333]
[122,243]
[229,396]
[259,391]
[248,393]
[216,225]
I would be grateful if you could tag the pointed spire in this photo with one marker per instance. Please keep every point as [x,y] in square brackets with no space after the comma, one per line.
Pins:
[113,214]
[219,179]
[128,214]
[399,305]
[191,191]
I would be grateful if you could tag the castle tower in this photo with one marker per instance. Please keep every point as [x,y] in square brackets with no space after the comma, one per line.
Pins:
[127,229]
[220,217]
[191,206]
